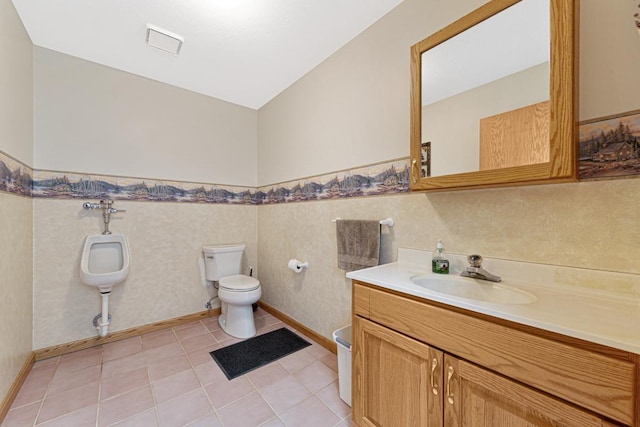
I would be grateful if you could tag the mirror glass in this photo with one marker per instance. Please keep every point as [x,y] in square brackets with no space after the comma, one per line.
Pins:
[485,92]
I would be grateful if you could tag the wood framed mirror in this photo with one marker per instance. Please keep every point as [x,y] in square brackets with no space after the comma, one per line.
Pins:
[524,131]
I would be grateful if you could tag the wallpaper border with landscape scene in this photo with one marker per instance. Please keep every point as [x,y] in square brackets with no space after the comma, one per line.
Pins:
[15,176]
[371,180]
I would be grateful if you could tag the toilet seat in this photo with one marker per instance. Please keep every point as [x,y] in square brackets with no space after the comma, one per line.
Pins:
[239,283]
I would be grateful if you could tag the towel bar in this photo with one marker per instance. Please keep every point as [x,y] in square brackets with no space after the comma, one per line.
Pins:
[386,221]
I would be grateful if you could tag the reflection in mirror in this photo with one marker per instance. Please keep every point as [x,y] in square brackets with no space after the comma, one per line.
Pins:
[485,94]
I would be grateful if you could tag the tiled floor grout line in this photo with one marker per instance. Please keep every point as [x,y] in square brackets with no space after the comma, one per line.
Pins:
[146,364]
[193,368]
[100,390]
[39,409]
[46,392]
[153,394]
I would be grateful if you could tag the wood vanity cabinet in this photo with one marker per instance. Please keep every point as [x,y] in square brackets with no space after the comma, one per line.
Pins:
[398,376]
[420,363]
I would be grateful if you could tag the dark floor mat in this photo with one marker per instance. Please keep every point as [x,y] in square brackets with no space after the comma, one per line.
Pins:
[245,356]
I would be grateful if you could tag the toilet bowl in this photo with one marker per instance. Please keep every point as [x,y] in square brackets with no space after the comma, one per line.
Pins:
[237,292]
[105,261]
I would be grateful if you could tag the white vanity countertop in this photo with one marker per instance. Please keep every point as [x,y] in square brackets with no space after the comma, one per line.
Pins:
[610,319]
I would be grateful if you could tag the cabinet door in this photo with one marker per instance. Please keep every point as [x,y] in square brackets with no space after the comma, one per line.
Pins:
[397,380]
[476,397]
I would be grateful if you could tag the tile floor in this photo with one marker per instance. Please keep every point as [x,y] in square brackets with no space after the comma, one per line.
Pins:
[168,378]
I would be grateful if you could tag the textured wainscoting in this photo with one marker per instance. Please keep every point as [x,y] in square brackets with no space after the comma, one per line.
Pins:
[164,280]
[562,224]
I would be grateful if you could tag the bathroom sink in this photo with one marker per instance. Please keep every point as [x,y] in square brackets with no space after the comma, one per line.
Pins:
[478,290]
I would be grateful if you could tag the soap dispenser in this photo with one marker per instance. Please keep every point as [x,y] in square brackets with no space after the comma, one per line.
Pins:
[439,262]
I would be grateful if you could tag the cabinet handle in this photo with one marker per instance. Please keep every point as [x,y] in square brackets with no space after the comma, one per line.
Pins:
[415,173]
[449,394]
[434,386]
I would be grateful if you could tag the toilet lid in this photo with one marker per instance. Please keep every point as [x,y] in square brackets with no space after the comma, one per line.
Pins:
[239,282]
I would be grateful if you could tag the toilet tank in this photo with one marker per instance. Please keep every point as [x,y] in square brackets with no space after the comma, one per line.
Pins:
[222,260]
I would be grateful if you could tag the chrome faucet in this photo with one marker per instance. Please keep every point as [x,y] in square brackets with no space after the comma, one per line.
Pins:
[475,270]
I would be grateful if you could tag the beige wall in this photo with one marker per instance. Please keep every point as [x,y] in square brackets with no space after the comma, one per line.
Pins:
[94,119]
[353,109]
[164,281]
[610,54]
[589,224]
[16,86]
[16,139]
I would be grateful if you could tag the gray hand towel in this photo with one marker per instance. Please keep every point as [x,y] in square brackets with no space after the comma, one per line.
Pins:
[358,244]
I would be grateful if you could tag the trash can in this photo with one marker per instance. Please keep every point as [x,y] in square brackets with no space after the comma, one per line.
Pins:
[342,337]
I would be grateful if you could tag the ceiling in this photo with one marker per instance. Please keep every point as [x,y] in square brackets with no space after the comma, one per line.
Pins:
[241,51]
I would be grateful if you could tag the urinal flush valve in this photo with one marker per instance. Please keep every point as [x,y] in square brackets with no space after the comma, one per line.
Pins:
[107,210]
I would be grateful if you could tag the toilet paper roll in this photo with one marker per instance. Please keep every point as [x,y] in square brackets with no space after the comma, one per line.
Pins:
[295,265]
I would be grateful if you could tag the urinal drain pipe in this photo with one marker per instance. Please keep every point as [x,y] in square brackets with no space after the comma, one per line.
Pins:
[97,320]
[102,321]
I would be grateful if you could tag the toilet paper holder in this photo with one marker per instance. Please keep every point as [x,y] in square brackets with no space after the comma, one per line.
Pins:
[296,265]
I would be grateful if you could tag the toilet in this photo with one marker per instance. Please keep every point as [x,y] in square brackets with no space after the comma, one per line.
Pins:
[236,291]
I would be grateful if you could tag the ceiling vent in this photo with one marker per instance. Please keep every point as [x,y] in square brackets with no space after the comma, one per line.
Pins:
[164,40]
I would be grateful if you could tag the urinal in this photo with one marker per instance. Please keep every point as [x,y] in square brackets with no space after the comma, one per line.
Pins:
[105,263]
